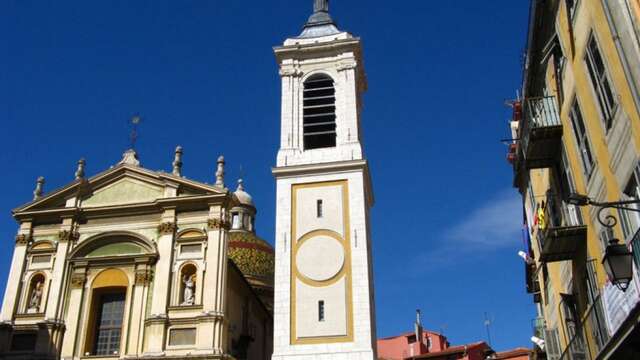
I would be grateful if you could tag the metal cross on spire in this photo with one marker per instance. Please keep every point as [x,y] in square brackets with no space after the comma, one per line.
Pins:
[135,121]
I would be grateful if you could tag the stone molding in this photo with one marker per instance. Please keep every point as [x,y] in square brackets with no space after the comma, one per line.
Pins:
[167,228]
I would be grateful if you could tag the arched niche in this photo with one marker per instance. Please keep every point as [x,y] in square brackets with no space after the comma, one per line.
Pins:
[188,278]
[36,293]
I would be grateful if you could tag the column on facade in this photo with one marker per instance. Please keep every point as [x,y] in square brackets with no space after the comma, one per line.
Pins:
[155,332]
[215,282]
[74,309]
[290,127]
[16,270]
[66,235]
[143,276]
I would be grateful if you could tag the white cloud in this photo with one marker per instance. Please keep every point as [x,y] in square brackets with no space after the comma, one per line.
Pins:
[493,225]
[496,223]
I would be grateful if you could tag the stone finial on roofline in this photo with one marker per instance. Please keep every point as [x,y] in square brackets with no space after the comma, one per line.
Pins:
[80,170]
[130,157]
[220,172]
[37,193]
[177,162]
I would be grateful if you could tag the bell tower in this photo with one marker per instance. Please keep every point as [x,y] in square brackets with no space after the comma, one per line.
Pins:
[323,279]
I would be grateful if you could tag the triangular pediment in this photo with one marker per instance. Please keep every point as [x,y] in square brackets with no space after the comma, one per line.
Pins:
[124,191]
[121,185]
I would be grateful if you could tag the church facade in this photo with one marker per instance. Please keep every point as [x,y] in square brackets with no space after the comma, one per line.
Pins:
[133,263]
[137,264]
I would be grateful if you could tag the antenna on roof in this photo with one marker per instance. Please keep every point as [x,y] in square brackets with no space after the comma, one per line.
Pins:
[487,324]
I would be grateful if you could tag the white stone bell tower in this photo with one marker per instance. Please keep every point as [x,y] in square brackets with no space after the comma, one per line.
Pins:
[324,299]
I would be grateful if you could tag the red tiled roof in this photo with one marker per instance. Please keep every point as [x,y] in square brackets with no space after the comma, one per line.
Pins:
[513,353]
[452,350]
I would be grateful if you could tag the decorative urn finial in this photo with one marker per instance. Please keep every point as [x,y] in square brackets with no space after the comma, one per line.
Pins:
[177,162]
[240,185]
[37,193]
[220,172]
[80,170]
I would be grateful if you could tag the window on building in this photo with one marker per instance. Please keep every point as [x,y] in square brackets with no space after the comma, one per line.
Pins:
[606,235]
[630,220]
[235,221]
[109,323]
[601,82]
[319,209]
[319,112]
[572,213]
[182,337]
[580,132]
[321,310]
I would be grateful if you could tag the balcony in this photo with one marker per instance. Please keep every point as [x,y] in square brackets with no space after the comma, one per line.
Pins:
[590,336]
[533,285]
[563,233]
[541,133]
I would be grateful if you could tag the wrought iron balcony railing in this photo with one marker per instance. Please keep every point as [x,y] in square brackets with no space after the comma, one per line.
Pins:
[593,323]
[563,232]
[541,132]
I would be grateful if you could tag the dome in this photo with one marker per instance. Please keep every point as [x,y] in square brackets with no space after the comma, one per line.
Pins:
[242,196]
[256,260]
[253,256]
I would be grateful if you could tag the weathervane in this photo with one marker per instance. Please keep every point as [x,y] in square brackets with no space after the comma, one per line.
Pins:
[135,121]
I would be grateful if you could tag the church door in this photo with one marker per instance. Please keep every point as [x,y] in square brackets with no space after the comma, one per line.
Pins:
[109,325]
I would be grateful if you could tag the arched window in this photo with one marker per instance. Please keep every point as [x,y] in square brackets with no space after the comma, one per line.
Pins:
[319,112]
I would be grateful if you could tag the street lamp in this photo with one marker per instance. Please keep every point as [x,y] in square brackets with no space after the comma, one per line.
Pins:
[618,262]
[618,259]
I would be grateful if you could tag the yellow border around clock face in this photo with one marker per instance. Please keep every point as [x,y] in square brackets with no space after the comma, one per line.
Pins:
[345,272]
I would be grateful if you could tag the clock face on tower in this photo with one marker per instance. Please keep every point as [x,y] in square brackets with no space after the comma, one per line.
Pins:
[320,258]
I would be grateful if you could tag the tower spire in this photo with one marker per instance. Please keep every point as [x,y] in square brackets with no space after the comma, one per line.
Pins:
[320,22]
[320,5]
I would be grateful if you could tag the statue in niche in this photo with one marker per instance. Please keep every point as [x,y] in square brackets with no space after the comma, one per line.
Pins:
[188,294]
[36,297]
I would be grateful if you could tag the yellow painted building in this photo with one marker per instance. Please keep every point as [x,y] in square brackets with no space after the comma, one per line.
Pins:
[576,130]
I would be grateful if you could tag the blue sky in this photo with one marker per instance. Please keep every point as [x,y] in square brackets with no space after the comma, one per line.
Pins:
[446,224]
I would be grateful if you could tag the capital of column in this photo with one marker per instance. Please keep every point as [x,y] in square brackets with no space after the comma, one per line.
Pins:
[167,228]
[68,235]
[78,280]
[144,277]
[22,239]
[217,224]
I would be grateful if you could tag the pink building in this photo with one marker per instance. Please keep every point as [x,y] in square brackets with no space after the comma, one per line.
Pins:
[406,345]
[424,344]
